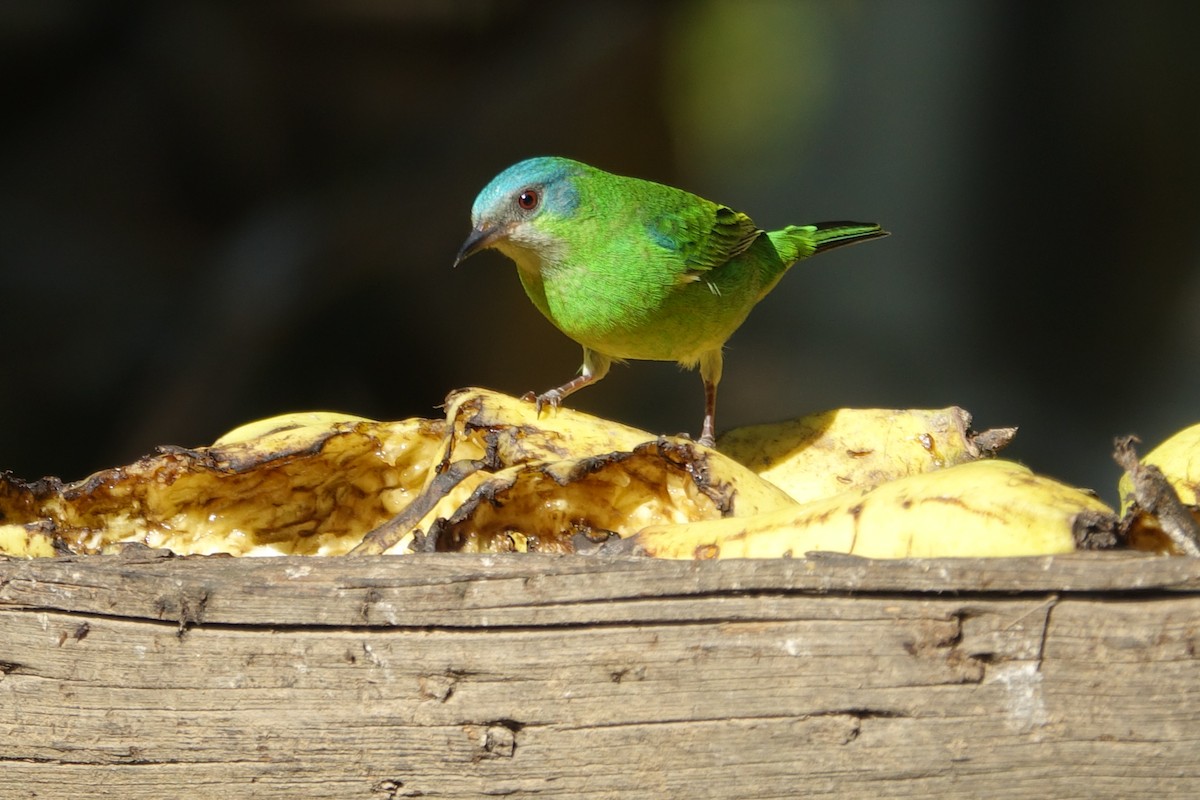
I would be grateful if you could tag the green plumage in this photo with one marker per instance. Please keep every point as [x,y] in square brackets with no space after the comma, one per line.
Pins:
[633,269]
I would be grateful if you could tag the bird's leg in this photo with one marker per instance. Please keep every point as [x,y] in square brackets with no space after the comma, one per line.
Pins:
[707,435]
[710,372]
[595,367]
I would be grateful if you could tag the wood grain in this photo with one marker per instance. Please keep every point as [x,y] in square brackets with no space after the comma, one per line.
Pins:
[459,676]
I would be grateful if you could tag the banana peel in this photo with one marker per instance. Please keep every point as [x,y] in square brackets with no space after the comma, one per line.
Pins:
[323,483]
[825,454]
[544,507]
[488,433]
[508,431]
[495,476]
[533,483]
[30,541]
[1178,458]
[978,509]
[285,431]
[1160,494]
[295,485]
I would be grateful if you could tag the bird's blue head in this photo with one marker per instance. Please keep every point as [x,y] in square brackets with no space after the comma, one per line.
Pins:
[507,211]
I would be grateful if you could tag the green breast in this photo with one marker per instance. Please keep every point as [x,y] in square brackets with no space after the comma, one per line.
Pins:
[633,311]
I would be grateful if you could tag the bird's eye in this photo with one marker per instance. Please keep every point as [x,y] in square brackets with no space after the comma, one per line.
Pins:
[529,199]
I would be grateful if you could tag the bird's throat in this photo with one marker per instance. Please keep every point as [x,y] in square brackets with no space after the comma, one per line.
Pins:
[530,269]
[528,262]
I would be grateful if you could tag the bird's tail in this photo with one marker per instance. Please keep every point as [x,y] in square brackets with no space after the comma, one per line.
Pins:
[797,242]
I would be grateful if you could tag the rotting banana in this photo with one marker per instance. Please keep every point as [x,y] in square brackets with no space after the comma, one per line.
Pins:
[316,483]
[483,422]
[28,541]
[825,454]
[977,509]
[273,433]
[539,506]
[582,472]
[1179,460]
[1160,494]
[496,476]
[292,490]
[498,432]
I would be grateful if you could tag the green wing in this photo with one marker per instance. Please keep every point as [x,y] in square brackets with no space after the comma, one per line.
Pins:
[703,235]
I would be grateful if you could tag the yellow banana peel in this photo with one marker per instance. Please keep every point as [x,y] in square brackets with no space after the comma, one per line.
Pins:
[318,483]
[495,476]
[502,432]
[284,431]
[483,423]
[545,506]
[284,489]
[541,480]
[30,541]
[1160,494]
[1178,458]
[825,454]
[977,509]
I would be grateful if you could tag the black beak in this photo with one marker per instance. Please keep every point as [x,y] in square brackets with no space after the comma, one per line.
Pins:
[480,239]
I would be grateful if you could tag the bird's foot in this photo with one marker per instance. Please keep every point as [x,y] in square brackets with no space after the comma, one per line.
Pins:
[551,398]
[703,441]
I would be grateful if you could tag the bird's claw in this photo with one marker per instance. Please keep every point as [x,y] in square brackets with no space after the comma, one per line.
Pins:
[551,398]
[702,440]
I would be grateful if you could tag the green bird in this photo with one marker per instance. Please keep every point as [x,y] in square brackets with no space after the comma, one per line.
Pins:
[632,269]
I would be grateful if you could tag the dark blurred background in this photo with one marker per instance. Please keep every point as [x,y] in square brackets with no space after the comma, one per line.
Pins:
[212,212]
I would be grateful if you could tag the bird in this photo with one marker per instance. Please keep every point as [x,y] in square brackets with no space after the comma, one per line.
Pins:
[637,270]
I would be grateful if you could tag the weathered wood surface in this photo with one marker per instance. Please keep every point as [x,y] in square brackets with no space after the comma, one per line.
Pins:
[458,676]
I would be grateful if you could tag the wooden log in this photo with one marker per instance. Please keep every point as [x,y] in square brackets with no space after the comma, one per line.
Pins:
[525,676]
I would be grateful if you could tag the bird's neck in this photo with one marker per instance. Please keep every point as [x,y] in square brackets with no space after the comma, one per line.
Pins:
[530,273]
[531,263]
[527,261]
